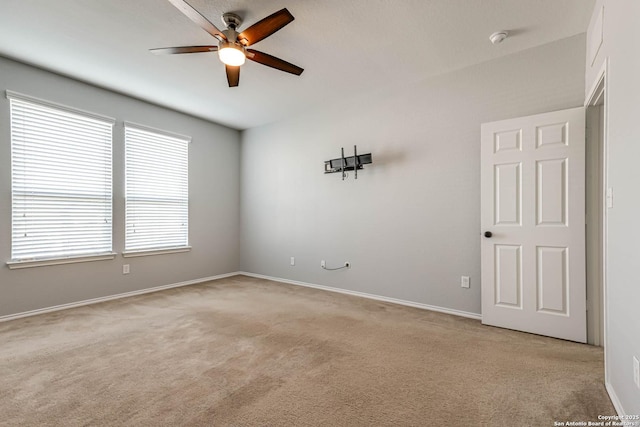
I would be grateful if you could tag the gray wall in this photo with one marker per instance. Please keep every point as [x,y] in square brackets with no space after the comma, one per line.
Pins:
[410,224]
[622,335]
[214,163]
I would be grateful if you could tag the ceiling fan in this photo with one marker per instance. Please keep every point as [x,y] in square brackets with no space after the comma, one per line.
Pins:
[232,45]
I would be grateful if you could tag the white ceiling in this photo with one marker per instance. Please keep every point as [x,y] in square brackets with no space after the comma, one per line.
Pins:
[345,47]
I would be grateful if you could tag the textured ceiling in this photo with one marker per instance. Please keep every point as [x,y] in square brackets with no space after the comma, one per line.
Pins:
[345,47]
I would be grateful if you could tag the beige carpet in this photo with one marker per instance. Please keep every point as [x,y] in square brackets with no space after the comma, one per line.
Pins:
[250,352]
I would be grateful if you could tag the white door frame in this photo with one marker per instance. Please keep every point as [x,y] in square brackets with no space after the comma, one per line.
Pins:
[598,96]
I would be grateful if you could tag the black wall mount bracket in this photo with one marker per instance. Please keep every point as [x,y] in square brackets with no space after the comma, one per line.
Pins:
[344,164]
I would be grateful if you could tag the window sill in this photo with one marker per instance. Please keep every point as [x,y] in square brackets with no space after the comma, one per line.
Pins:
[150,252]
[14,265]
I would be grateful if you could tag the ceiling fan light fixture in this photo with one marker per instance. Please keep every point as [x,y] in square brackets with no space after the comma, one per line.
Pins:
[231,53]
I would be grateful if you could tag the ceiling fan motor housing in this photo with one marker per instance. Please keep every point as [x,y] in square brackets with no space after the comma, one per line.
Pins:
[232,44]
[232,21]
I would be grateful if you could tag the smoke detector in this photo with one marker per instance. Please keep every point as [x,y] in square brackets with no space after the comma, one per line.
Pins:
[498,37]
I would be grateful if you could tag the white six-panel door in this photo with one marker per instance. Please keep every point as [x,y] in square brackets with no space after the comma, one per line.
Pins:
[533,204]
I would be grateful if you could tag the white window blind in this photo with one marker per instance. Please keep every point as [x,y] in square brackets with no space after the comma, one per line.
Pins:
[61,172]
[157,189]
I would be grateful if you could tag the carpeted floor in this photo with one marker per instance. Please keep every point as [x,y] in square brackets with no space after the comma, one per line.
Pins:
[250,352]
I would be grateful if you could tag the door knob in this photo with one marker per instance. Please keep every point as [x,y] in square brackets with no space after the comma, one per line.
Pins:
[488,234]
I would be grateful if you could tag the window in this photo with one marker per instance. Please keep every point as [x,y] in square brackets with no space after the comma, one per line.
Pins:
[156,190]
[60,182]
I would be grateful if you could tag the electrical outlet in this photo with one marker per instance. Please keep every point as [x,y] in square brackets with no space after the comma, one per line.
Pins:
[464,282]
[293,261]
[323,263]
[636,371]
[125,269]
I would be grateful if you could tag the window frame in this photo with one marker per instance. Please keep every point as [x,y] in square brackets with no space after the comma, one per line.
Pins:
[138,252]
[25,262]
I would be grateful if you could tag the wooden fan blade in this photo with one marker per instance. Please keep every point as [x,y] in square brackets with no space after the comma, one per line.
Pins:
[264,28]
[183,49]
[273,62]
[196,17]
[233,75]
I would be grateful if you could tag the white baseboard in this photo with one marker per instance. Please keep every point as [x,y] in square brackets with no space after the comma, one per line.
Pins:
[112,297]
[612,395]
[222,276]
[369,296]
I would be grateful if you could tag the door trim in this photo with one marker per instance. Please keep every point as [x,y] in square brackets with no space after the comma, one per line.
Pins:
[598,95]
